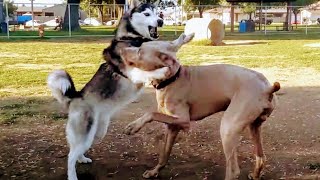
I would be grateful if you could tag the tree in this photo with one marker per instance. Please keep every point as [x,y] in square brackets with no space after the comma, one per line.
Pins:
[201,4]
[74,15]
[1,11]
[248,8]
[96,7]
[11,8]
[296,10]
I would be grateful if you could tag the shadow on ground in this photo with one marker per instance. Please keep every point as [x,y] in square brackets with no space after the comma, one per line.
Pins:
[33,146]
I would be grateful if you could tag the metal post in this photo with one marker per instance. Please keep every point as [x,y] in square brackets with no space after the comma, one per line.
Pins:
[306,28]
[265,21]
[7,20]
[89,11]
[114,10]
[126,6]
[175,20]
[32,15]
[69,18]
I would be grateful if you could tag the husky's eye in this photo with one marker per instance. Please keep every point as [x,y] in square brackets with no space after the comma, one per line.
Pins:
[146,14]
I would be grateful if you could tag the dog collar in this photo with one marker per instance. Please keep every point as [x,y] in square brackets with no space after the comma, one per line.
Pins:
[166,82]
[134,41]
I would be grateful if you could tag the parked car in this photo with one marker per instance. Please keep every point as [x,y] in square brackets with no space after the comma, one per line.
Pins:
[92,21]
[51,23]
[111,22]
[36,23]
[268,21]
[82,23]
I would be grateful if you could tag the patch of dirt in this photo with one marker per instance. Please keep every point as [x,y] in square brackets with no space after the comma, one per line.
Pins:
[38,149]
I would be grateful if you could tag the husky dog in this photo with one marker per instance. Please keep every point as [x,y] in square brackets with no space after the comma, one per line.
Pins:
[109,89]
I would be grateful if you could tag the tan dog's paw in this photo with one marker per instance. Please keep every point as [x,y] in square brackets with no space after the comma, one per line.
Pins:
[251,177]
[132,128]
[151,174]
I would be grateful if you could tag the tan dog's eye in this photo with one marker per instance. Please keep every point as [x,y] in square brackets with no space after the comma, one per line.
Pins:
[159,66]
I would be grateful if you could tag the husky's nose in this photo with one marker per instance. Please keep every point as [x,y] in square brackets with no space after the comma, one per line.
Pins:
[160,22]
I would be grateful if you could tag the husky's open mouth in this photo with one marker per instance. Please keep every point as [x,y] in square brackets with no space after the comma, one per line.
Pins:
[153,32]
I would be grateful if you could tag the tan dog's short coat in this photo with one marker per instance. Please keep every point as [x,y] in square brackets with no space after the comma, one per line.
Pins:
[196,92]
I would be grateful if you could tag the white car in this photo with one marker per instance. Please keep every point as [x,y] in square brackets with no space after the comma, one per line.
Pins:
[51,23]
[35,23]
[111,22]
[92,21]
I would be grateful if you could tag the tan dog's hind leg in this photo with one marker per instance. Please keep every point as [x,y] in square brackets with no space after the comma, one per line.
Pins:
[171,135]
[242,111]
[255,131]
[230,140]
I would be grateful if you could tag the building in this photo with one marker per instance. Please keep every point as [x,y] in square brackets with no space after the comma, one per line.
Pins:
[37,11]
[47,13]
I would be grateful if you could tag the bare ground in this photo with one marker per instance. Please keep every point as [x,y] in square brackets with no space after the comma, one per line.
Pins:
[35,147]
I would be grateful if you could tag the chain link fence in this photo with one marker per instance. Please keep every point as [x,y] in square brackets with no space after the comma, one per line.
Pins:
[70,20]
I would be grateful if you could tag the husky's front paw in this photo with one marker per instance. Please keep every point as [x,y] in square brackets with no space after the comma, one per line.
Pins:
[84,160]
[132,128]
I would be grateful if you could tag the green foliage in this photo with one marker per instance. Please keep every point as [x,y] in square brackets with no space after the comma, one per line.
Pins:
[248,8]
[11,8]
[201,5]
[303,2]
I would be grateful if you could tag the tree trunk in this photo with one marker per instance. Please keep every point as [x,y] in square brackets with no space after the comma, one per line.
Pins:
[120,10]
[100,13]
[1,11]
[200,9]
[74,16]
[296,12]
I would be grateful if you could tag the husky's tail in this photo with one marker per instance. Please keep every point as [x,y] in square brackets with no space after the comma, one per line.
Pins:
[62,87]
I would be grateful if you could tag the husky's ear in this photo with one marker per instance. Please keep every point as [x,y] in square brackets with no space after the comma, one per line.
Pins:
[156,3]
[134,3]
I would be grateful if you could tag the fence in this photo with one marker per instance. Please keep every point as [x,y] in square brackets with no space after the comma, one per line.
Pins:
[63,20]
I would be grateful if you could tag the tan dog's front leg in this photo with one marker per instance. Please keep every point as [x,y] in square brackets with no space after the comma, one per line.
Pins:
[175,124]
[136,125]
[171,135]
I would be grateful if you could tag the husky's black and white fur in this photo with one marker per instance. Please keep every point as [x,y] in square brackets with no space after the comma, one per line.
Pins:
[109,89]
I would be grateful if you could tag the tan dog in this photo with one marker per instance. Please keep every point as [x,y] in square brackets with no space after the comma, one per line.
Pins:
[195,92]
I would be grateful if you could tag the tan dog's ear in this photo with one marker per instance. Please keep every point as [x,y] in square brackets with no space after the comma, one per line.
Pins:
[183,39]
[134,3]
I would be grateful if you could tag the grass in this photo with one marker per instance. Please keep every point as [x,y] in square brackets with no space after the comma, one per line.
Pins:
[84,31]
[25,63]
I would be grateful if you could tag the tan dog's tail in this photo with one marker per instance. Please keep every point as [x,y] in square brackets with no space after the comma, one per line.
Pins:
[276,86]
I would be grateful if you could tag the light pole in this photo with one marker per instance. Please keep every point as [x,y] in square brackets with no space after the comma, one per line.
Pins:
[32,15]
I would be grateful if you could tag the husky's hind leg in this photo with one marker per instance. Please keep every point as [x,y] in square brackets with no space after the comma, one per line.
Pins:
[81,129]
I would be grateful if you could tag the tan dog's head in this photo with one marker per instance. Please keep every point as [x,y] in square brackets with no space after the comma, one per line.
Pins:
[154,60]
